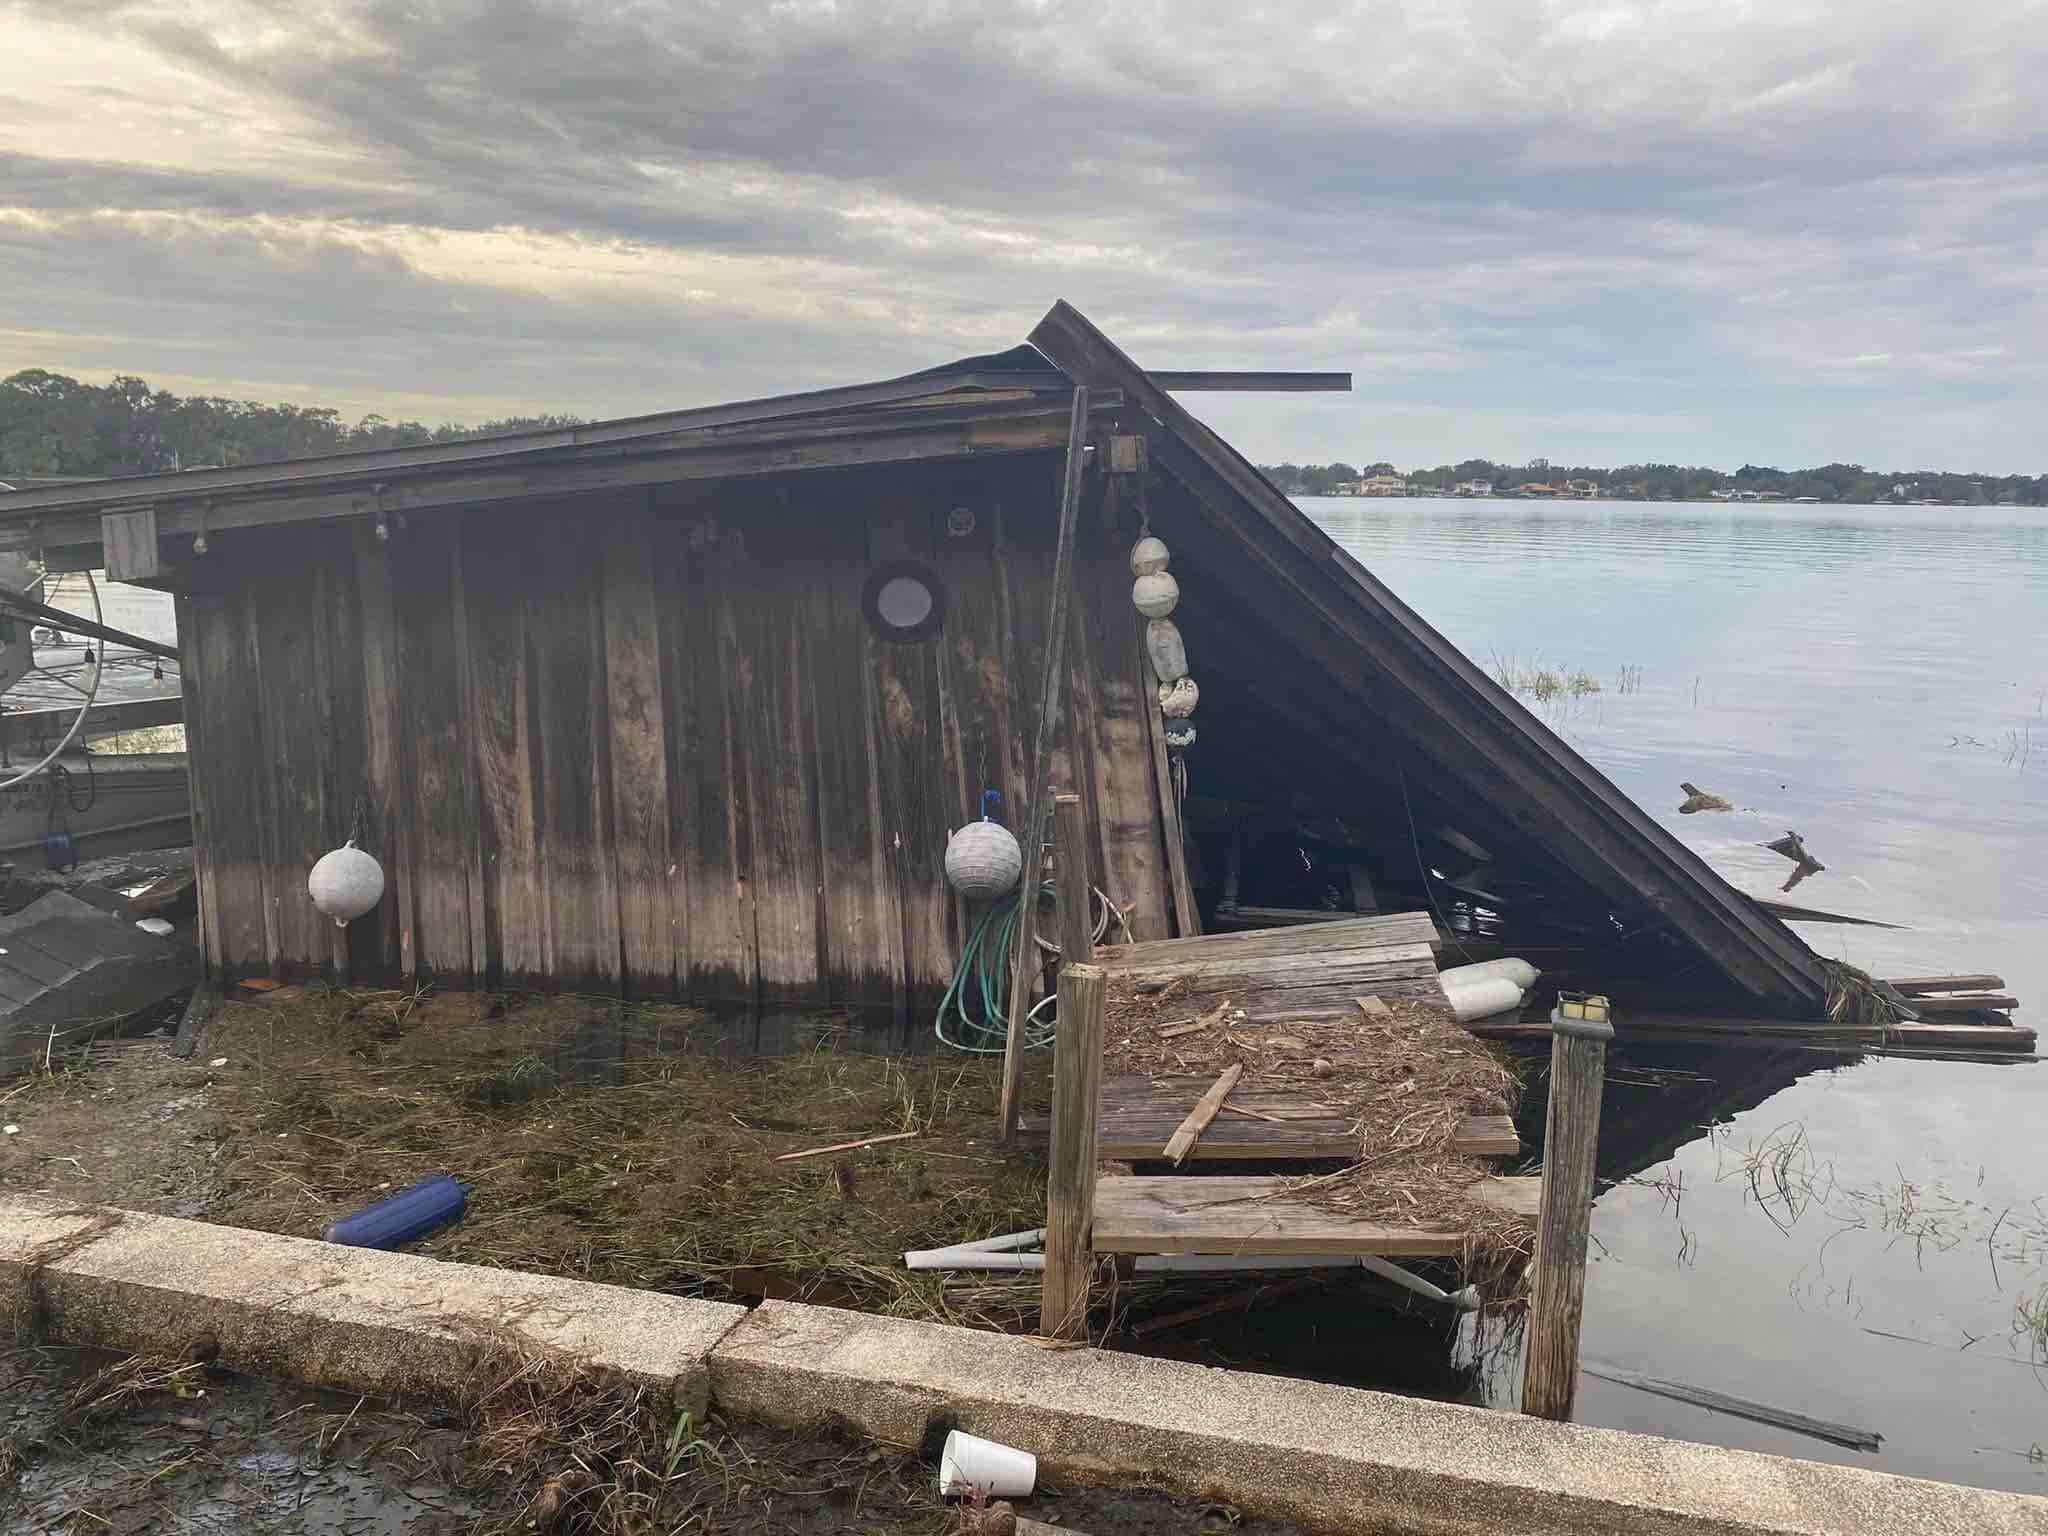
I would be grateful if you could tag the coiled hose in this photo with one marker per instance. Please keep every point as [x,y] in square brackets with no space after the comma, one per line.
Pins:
[977,1002]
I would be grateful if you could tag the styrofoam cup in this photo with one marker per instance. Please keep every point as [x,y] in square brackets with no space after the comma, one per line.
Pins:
[1000,1471]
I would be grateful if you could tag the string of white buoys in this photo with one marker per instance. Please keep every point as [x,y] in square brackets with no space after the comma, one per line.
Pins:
[1156,594]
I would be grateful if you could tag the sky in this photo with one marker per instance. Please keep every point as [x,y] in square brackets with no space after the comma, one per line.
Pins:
[1701,231]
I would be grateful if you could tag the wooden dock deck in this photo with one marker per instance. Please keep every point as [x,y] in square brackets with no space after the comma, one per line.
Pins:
[1273,976]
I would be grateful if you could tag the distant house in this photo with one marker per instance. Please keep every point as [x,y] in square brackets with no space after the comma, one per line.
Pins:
[1473,488]
[1582,488]
[1539,488]
[1383,485]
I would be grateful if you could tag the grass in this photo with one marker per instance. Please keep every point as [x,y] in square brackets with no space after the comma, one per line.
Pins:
[1546,684]
[611,1142]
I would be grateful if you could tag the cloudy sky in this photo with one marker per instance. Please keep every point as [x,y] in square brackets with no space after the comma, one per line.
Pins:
[1700,230]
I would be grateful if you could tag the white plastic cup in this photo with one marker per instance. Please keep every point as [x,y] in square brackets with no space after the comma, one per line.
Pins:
[1000,1471]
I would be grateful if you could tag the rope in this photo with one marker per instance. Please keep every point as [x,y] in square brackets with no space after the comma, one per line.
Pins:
[977,1001]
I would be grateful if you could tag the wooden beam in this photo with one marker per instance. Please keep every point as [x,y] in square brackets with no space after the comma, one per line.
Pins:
[1182,1213]
[891,439]
[129,539]
[1187,381]
[1070,1172]
[377,462]
[1070,880]
[1571,1144]
[1051,704]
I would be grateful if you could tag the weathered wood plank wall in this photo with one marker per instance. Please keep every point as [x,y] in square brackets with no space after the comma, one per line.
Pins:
[648,742]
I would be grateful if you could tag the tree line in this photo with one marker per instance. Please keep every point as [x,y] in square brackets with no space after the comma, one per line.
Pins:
[1851,483]
[54,425]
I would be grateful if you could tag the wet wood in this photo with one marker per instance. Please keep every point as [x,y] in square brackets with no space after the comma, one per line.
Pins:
[385,761]
[1969,1002]
[1182,1213]
[1707,1029]
[1070,1172]
[1038,819]
[1913,986]
[1258,1125]
[1571,1140]
[1252,947]
[638,732]
[1189,1131]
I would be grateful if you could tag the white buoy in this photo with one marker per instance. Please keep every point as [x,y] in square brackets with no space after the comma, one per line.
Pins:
[1180,734]
[1155,594]
[1177,699]
[1149,554]
[1168,651]
[1520,972]
[1481,997]
[983,860]
[346,883]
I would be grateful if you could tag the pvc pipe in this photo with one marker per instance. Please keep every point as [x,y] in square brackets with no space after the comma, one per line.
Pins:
[1479,998]
[1466,1300]
[1520,972]
[961,1260]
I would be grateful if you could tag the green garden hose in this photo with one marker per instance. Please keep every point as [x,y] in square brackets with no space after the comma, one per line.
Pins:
[978,1000]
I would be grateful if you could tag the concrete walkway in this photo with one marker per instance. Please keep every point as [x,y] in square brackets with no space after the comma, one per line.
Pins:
[1329,1457]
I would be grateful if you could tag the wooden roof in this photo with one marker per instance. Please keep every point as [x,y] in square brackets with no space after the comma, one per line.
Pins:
[1481,742]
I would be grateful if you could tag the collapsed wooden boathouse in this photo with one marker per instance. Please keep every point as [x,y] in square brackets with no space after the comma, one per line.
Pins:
[688,704]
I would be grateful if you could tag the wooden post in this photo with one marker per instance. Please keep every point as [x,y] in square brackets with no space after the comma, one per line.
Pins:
[1070,1175]
[1070,879]
[1051,701]
[1579,1032]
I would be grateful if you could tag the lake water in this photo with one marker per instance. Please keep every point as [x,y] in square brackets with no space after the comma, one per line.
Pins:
[1876,678]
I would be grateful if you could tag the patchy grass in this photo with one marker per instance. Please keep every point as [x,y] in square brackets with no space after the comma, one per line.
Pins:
[1544,683]
[612,1142]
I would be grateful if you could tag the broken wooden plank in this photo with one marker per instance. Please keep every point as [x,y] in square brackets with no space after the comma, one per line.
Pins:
[1345,930]
[847,1146]
[1197,1121]
[1373,1008]
[1914,986]
[1213,1016]
[1180,1213]
[1972,1002]
[1777,1032]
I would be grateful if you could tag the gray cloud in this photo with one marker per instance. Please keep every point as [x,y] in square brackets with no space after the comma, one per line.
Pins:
[1663,230]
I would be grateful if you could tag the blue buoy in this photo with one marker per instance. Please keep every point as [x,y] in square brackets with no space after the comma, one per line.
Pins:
[406,1217]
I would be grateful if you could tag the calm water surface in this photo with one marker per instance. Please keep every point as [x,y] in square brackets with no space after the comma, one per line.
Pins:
[1876,678]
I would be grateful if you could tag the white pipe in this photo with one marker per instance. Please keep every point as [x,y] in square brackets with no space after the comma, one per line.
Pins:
[1002,1244]
[1466,1300]
[965,1260]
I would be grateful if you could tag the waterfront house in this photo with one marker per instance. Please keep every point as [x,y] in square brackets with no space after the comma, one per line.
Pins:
[1383,485]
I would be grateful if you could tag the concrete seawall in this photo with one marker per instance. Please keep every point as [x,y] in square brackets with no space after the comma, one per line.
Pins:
[1329,1457]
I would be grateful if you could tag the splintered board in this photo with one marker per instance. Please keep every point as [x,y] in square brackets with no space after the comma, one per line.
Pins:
[1140,1113]
[1192,1214]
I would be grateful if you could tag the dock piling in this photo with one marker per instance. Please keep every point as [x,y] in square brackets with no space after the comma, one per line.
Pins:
[1579,1032]
[1070,1174]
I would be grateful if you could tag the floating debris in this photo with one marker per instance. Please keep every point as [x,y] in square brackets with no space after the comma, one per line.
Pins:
[1697,799]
